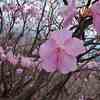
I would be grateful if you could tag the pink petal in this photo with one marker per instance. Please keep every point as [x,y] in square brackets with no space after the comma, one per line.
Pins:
[26,61]
[3,57]
[74,46]
[47,55]
[96,22]
[65,10]
[1,50]
[96,16]
[71,11]
[67,63]
[68,18]
[68,12]
[49,64]
[11,58]
[96,7]
[61,36]
[71,3]
[47,48]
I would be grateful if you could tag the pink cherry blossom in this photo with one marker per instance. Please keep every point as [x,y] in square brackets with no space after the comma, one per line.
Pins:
[30,9]
[96,16]
[26,61]
[12,58]
[27,8]
[68,12]
[10,7]
[1,50]
[59,52]
[2,55]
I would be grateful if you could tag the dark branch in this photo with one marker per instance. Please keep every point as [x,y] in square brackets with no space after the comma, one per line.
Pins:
[65,2]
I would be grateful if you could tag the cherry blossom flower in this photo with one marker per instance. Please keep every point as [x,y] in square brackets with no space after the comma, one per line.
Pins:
[2,55]
[26,61]
[95,9]
[12,58]
[68,12]
[30,9]
[1,50]
[59,52]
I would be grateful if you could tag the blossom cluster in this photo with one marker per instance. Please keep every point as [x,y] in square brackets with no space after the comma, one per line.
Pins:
[17,14]
[95,12]
[26,9]
[60,51]
[14,60]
